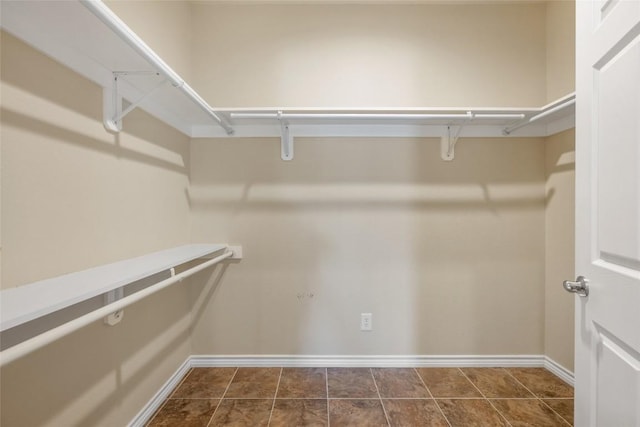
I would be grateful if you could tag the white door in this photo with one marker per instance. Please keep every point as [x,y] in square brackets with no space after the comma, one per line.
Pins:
[608,212]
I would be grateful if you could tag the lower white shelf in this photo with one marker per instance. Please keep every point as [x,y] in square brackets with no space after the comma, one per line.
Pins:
[29,302]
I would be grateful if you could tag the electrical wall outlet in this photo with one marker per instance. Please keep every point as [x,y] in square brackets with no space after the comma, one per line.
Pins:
[366,321]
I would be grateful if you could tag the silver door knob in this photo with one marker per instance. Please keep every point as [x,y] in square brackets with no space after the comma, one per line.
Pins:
[580,286]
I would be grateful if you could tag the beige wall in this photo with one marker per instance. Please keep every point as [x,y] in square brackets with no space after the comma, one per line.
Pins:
[560,48]
[559,246]
[448,256]
[74,196]
[559,188]
[248,55]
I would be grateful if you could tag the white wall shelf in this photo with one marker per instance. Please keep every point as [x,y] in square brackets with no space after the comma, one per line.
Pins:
[29,302]
[87,37]
[554,117]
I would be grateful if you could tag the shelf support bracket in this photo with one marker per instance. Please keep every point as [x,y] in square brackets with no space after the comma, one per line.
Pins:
[111,297]
[112,100]
[286,139]
[449,141]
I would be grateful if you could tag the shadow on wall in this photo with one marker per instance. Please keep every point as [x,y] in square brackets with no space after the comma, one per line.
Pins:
[373,225]
[87,383]
[68,136]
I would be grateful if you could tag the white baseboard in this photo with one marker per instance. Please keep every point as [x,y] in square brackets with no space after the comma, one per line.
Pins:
[560,371]
[366,361]
[212,361]
[144,416]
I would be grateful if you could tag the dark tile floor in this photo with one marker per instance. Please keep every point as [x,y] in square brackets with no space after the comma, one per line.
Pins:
[368,397]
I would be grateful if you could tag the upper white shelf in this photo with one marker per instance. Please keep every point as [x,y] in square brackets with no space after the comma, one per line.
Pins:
[90,39]
[25,303]
[547,120]
[87,37]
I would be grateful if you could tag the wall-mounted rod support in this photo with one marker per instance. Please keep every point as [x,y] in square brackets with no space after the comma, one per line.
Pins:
[114,124]
[448,142]
[508,130]
[111,20]
[286,140]
[25,347]
[110,297]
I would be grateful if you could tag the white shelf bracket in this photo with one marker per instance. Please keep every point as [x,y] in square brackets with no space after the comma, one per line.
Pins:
[449,141]
[286,139]
[109,298]
[112,100]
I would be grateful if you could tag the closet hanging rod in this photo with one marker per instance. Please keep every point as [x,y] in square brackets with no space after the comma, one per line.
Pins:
[375,116]
[539,116]
[38,341]
[111,20]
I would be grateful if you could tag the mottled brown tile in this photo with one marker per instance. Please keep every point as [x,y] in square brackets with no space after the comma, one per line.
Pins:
[307,383]
[542,382]
[254,383]
[351,383]
[563,407]
[528,413]
[414,412]
[242,412]
[496,382]
[204,383]
[448,382]
[354,412]
[299,412]
[470,413]
[399,382]
[185,412]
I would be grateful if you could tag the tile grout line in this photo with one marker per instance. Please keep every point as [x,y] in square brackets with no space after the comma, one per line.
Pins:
[326,383]
[274,397]
[180,384]
[485,398]
[379,397]
[155,414]
[223,395]
[555,412]
[536,396]
[433,398]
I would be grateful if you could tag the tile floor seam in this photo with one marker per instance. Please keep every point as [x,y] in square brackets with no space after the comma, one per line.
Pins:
[180,383]
[273,404]
[222,397]
[380,397]
[535,395]
[432,397]
[155,414]
[554,411]
[485,398]
[326,383]
[558,398]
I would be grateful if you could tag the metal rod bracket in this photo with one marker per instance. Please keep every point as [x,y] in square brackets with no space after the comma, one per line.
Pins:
[112,100]
[109,298]
[286,139]
[449,141]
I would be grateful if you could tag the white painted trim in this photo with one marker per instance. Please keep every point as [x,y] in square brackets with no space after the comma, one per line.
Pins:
[560,371]
[289,361]
[367,361]
[144,416]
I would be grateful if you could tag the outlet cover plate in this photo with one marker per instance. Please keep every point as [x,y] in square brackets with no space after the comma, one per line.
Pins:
[366,321]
